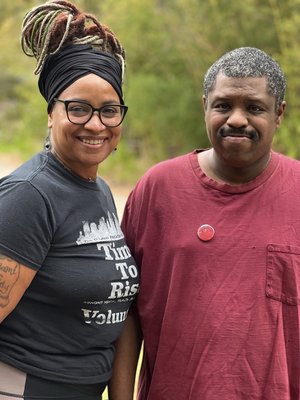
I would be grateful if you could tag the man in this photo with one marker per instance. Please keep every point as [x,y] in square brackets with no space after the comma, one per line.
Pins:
[216,234]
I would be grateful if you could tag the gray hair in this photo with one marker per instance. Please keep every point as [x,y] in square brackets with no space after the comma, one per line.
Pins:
[248,62]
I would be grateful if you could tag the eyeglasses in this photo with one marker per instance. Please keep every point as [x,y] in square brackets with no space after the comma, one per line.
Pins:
[80,112]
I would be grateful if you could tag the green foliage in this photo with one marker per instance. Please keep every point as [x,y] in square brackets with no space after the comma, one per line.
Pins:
[169,45]
[288,28]
[161,111]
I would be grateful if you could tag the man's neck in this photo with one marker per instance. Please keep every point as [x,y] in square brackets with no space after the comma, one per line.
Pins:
[216,169]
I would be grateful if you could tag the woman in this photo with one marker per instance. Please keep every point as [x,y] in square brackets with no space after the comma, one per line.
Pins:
[67,277]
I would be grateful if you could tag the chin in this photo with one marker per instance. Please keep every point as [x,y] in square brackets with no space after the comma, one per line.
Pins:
[96,157]
[236,161]
[102,158]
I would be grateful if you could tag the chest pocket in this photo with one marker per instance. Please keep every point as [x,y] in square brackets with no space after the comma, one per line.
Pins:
[283,273]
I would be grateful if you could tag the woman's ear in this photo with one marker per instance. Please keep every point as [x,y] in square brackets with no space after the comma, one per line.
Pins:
[50,120]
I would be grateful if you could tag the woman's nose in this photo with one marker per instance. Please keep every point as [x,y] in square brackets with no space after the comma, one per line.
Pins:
[95,122]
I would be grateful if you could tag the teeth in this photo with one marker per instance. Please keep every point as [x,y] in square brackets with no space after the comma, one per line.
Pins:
[88,141]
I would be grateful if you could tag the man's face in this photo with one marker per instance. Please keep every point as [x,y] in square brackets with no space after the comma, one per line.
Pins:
[241,120]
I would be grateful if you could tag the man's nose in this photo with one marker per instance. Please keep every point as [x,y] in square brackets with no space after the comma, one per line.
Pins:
[237,118]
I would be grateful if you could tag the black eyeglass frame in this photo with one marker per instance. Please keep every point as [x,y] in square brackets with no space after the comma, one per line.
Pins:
[67,102]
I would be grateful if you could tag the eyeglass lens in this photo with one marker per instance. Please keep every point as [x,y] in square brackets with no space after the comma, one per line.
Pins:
[80,113]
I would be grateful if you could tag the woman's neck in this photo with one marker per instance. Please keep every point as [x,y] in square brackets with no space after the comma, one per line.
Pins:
[88,177]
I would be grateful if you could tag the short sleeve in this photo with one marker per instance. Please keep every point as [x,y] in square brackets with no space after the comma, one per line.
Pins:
[25,221]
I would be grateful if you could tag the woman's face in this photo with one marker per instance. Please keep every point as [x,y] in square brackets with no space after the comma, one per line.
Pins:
[83,147]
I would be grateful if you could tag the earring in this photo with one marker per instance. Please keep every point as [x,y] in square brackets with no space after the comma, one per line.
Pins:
[47,144]
[114,150]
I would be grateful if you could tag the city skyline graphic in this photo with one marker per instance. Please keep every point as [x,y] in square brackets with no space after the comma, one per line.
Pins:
[107,230]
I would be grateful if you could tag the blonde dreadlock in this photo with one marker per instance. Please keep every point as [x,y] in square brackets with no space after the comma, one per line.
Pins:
[47,27]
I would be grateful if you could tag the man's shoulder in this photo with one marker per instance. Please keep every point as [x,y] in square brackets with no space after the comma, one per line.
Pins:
[167,167]
[288,161]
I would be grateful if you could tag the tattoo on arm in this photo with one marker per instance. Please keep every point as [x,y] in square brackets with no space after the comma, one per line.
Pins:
[9,274]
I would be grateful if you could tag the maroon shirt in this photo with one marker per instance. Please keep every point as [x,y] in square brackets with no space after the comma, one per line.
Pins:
[220,318]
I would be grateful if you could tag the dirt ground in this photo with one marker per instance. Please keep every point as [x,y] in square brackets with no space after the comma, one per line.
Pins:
[9,162]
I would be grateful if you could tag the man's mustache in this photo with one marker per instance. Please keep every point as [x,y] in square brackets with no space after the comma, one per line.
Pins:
[239,132]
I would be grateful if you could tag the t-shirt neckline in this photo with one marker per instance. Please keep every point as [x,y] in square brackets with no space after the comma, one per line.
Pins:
[225,187]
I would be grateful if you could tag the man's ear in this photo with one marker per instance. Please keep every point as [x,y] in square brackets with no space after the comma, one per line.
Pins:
[280,113]
[204,102]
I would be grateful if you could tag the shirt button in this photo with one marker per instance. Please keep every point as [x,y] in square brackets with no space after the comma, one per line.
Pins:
[205,232]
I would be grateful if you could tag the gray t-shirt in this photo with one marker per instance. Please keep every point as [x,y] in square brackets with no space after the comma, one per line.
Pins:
[66,228]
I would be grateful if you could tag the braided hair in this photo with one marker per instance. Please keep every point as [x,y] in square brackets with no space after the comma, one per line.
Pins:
[50,26]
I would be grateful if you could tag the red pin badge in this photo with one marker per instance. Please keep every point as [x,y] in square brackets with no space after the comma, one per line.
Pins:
[205,232]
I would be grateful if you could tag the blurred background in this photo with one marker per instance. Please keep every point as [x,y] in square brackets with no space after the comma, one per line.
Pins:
[169,44]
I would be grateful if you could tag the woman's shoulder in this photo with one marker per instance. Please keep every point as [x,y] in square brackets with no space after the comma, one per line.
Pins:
[27,170]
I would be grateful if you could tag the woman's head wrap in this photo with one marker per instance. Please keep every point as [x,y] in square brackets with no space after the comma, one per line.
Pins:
[73,62]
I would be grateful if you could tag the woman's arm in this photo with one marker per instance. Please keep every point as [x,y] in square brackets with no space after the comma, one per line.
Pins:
[14,280]
[128,346]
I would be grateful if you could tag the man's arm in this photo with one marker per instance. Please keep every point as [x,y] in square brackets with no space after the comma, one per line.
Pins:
[128,346]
